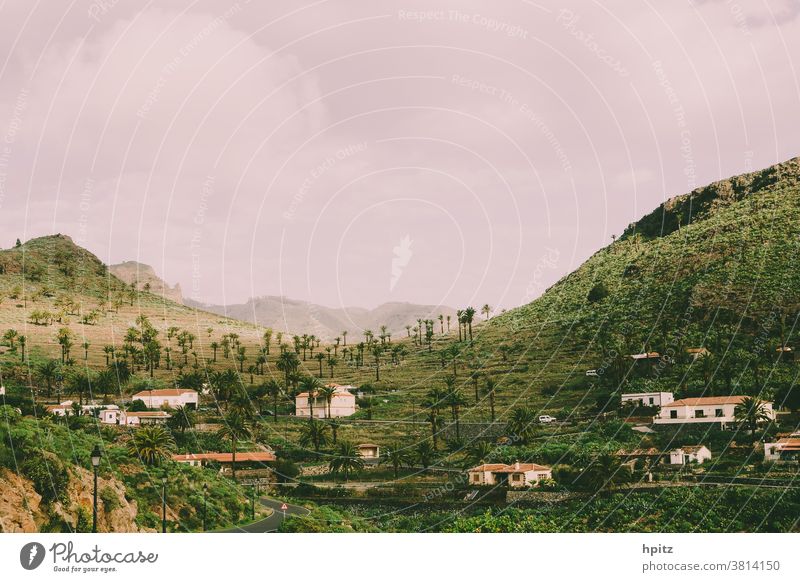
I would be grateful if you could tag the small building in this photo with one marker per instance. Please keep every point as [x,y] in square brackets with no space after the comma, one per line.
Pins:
[110,415]
[67,408]
[369,451]
[697,353]
[342,404]
[709,410]
[689,454]
[648,398]
[783,450]
[127,418]
[169,398]
[251,466]
[645,357]
[517,475]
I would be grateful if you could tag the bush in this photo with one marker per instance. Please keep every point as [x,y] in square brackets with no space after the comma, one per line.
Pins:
[49,476]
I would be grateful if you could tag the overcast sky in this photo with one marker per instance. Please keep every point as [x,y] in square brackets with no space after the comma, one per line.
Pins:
[357,152]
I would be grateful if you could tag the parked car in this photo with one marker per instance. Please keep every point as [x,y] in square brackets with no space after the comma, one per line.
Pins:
[592,373]
[545,418]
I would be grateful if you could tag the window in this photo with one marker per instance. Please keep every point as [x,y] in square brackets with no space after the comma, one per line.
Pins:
[673,414]
[475,477]
[515,477]
[699,413]
[651,401]
[718,413]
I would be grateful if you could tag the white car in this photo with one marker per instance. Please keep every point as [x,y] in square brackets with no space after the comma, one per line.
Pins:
[545,418]
[592,373]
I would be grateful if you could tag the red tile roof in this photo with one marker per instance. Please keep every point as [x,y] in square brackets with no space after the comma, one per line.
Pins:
[241,457]
[165,392]
[707,401]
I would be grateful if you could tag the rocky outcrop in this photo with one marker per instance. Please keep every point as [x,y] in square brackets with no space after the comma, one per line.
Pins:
[22,510]
[145,279]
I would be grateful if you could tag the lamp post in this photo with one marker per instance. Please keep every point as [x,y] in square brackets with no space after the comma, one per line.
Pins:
[205,504]
[96,454]
[164,503]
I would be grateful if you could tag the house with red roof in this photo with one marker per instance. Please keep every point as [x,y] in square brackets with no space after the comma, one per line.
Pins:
[517,475]
[709,410]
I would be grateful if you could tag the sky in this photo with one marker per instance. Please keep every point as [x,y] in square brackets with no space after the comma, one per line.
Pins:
[351,153]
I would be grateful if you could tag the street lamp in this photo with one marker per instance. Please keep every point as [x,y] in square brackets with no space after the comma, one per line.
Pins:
[164,503]
[96,454]
[205,504]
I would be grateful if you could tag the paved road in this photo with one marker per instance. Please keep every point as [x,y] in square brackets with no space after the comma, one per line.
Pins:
[271,523]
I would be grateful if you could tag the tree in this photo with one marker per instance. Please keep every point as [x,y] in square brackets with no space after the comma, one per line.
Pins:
[604,472]
[22,343]
[273,390]
[314,434]
[152,444]
[455,400]
[49,372]
[597,293]
[182,418]
[327,393]
[425,453]
[10,336]
[521,423]
[489,390]
[346,460]
[214,347]
[287,363]
[750,412]
[376,352]
[396,455]
[469,315]
[311,386]
[235,427]
[320,357]
[486,310]
[480,451]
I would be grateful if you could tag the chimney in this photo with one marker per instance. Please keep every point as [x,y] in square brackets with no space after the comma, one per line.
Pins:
[516,465]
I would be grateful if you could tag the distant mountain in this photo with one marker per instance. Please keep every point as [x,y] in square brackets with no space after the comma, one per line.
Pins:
[289,315]
[145,278]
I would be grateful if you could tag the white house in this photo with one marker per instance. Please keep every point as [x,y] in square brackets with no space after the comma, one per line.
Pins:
[714,409]
[649,398]
[66,408]
[689,454]
[134,419]
[516,475]
[110,415]
[369,451]
[785,449]
[170,398]
[343,403]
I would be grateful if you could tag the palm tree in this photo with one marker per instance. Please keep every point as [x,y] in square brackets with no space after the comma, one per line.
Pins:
[287,363]
[751,412]
[376,352]
[152,444]
[448,323]
[273,390]
[182,418]
[486,310]
[314,434]
[10,336]
[469,315]
[605,471]
[521,423]
[214,347]
[49,372]
[480,451]
[320,358]
[346,460]
[441,323]
[335,426]
[344,338]
[425,453]
[489,390]
[455,400]
[327,393]
[396,455]
[235,427]
[311,386]
[22,343]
